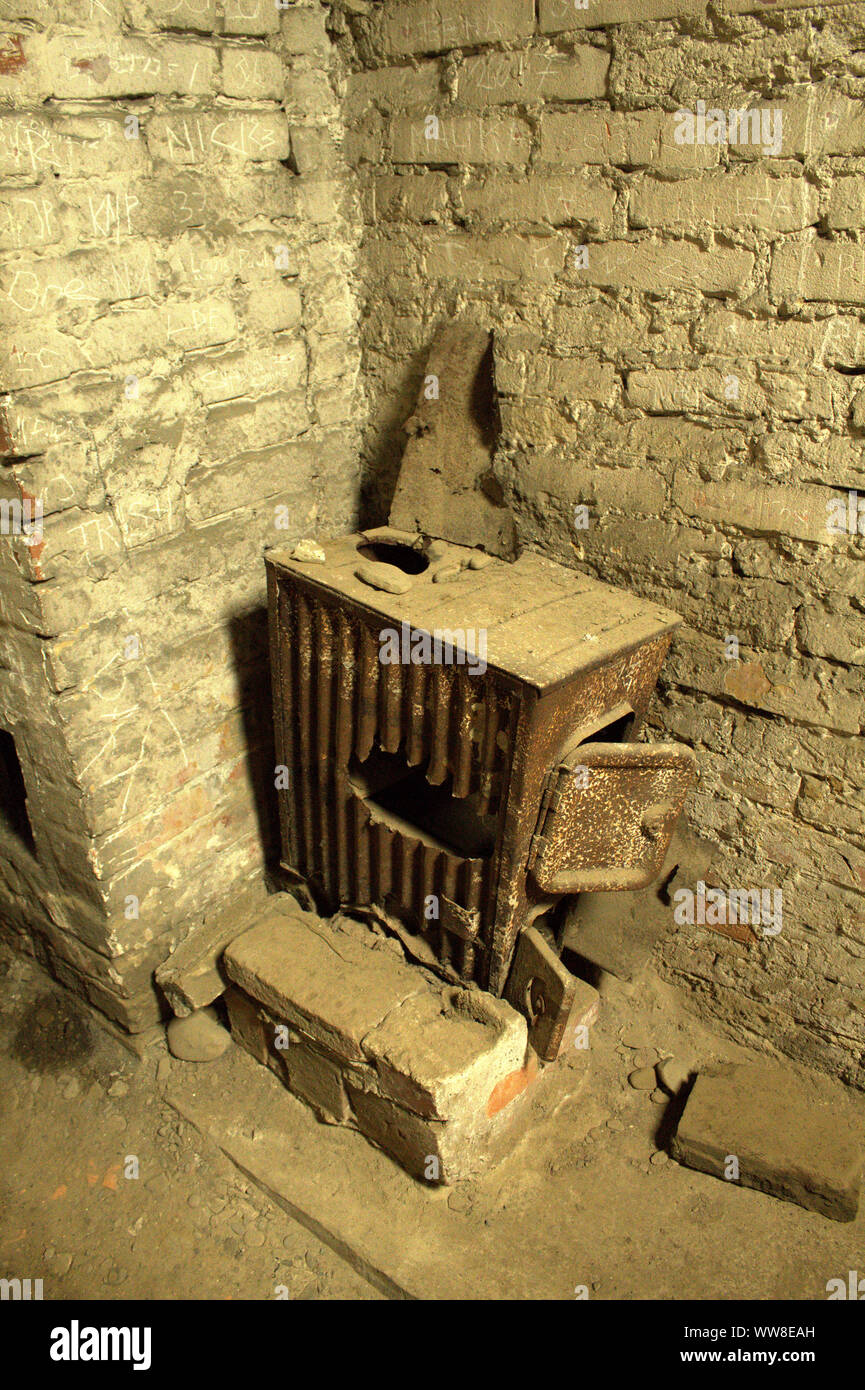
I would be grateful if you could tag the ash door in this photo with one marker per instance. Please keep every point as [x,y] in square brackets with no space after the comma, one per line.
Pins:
[608,816]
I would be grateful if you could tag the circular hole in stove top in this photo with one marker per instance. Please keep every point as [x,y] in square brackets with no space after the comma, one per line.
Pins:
[402,557]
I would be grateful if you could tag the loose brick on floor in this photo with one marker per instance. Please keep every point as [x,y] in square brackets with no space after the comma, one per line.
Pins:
[795,1135]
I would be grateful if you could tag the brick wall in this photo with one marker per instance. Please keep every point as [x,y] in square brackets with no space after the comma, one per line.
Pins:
[181,371]
[679,347]
[680,342]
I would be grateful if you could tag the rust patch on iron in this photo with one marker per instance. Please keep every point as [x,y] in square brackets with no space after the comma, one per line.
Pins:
[610,816]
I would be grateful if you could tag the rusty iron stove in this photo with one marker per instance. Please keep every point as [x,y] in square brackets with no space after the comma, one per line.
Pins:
[458,781]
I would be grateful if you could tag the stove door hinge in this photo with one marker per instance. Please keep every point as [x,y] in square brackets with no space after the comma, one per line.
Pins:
[538,841]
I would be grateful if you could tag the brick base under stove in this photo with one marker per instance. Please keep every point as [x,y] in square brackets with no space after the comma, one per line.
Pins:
[435,1075]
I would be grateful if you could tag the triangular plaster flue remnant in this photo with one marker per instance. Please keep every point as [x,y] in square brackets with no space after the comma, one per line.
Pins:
[446,485]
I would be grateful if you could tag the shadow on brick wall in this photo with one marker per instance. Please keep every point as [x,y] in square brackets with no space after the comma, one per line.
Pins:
[250,654]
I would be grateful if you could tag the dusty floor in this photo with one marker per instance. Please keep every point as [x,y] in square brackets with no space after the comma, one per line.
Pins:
[74,1106]
[590,1199]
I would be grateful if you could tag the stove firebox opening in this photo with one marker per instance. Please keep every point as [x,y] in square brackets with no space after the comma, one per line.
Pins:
[402,796]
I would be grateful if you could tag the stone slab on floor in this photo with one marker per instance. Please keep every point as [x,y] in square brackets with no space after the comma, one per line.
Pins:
[796,1136]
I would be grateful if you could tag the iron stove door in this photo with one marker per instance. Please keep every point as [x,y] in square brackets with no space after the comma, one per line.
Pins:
[608,815]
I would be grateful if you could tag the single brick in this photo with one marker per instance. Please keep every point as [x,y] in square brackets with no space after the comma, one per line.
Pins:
[99,66]
[415,1143]
[286,469]
[250,17]
[247,1024]
[559,15]
[190,137]
[557,200]
[631,138]
[312,149]
[273,307]
[795,1135]
[726,201]
[225,376]
[69,145]
[771,509]
[318,1080]
[252,73]
[398,89]
[664,266]
[824,122]
[192,976]
[409,197]
[432,26]
[832,271]
[492,78]
[846,208]
[453,255]
[302,1067]
[781,342]
[451,139]
[799,395]
[241,428]
[303,30]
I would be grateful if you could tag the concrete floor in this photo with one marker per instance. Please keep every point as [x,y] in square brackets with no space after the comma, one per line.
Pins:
[75,1107]
[242,1194]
